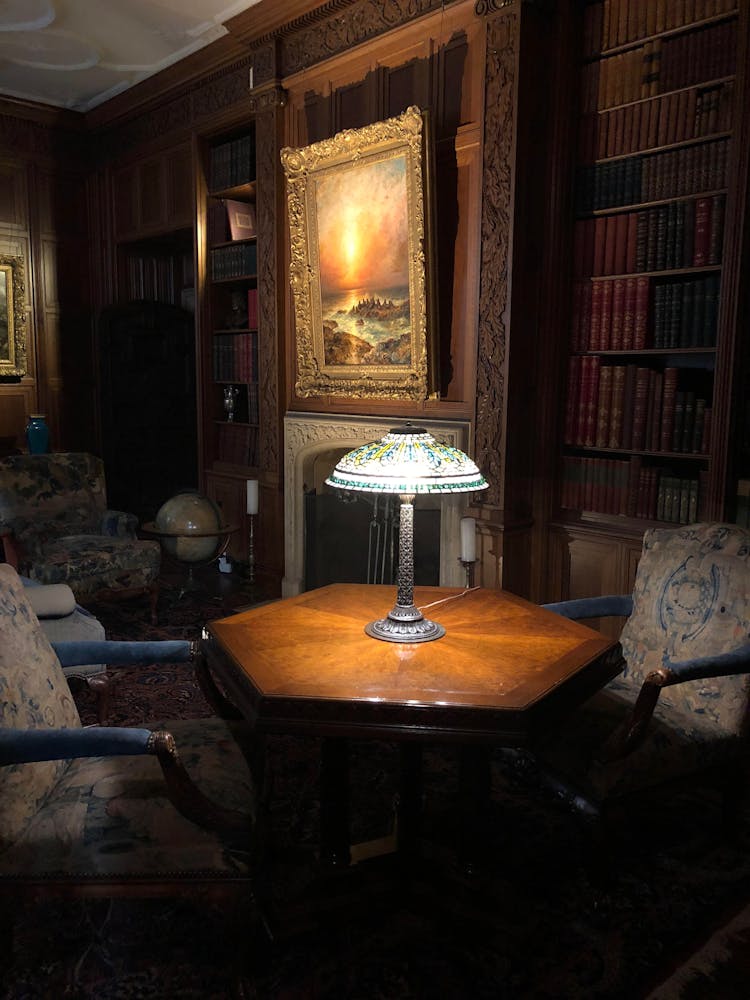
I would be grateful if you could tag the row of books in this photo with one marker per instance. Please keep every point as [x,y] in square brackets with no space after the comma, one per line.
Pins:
[232,163]
[659,66]
[671,174]
[635,314]
[231,220]
[610,23]
[680,117]
[234,261]
[152,277]
[633,408]
[685,313]
[234,357]
[680,234]
[237,444]
[630,489]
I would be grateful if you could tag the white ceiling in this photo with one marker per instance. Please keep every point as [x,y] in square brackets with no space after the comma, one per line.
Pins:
[78,53]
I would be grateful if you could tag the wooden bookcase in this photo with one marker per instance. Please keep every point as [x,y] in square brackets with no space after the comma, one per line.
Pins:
[651,341]
[228,337]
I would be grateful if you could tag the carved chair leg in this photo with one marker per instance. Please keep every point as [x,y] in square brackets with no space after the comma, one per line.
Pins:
[101,685]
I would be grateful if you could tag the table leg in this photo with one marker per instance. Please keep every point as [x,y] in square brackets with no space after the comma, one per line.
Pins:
[409,813]
[334,803]
[474,793]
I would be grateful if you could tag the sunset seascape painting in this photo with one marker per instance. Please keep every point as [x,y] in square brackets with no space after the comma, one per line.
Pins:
[358,262]
[363,241]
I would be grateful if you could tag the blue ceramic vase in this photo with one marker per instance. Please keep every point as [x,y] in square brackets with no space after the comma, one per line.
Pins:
[37,434]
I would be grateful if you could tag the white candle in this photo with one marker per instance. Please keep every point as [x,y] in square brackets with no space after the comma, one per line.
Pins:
[468,540]
[252,496]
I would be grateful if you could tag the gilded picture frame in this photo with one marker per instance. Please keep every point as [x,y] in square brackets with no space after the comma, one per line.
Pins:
[358,267]
[12,316]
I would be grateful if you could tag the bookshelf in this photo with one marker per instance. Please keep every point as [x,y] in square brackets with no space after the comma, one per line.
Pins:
[230,308]
[658,103]
[653,360]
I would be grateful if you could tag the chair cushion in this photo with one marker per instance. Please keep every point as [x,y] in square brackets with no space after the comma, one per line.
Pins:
[110,816]
[33,695]
[89,563]
[692,599]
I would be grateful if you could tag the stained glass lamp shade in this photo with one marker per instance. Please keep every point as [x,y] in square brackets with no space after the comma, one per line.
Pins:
[407,460]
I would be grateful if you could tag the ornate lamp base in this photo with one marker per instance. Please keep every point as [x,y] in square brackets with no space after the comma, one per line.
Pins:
[405,625]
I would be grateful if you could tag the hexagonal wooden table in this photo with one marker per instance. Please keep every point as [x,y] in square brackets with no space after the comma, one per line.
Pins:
[505,671]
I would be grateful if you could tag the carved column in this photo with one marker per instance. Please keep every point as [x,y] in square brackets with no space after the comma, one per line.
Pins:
[266,101]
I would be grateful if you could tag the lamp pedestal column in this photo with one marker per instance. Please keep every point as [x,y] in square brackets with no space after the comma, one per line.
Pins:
[405,622]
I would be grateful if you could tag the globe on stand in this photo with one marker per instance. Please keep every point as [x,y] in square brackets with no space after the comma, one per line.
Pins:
[190,529]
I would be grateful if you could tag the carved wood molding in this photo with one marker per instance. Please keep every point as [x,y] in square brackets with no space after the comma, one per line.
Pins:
[268,387]
[497,171]
[31,138]
[339,25]
[188,109]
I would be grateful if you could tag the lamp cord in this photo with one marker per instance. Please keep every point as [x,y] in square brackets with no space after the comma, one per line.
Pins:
[443,600]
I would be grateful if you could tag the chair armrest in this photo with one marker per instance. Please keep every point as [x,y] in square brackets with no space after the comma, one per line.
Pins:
[77,654]
[119,524]
[632,732]
[20,746]
[737,661]
[594,607]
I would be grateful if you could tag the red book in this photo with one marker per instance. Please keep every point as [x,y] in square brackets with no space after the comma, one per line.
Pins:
[618,315]
[628,315]
[621,223]
[600,224]
[617,406]
[702,235]
[628,402]
[631,253]
[604,405]
[610,245]
[605,326]
[584,326]
[640,330]
[640,405]
[590,398]
[668,394]
[596,315]
[573,398]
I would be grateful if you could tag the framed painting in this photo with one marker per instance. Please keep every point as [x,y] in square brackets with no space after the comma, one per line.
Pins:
[12,316]
[358,261]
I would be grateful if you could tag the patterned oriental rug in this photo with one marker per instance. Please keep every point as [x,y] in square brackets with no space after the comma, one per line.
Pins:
[674,924]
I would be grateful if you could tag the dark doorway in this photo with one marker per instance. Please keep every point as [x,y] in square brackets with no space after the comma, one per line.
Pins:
[148,404]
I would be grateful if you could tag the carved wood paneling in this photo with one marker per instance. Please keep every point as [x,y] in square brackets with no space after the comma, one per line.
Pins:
[266,145]
[497,176]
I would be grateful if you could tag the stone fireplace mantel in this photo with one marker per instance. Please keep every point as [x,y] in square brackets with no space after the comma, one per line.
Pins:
[307,436]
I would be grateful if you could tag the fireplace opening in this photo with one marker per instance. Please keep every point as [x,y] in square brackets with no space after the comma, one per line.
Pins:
[355,540]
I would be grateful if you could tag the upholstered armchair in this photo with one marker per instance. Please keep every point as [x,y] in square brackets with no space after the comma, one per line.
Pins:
[64,620]
[679,710]
[166,808]
[56,528]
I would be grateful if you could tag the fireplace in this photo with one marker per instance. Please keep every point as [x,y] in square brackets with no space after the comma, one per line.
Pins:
[312,444]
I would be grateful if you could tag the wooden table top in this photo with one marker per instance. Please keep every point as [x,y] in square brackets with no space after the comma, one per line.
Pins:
[504,667]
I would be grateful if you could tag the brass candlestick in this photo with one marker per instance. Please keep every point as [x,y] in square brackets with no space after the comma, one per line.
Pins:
[251,550]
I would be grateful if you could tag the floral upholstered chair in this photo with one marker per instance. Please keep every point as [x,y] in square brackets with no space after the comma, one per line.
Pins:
[680,707]
[165,808]
[56,528]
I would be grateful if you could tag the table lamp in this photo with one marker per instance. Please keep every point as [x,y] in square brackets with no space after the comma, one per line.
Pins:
[407,460]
